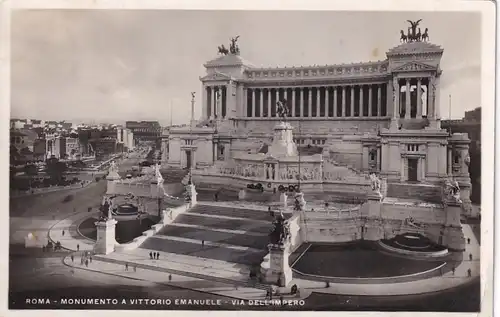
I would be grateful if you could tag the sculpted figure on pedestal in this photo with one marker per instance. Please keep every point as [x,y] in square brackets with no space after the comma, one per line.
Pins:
[452,191]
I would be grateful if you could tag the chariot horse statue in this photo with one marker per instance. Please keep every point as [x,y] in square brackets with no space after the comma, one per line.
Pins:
[413,27]
[280,232]
[223,50]
[233,47]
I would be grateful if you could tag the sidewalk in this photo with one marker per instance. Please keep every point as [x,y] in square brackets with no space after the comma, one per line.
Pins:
[175,280]
[71,238]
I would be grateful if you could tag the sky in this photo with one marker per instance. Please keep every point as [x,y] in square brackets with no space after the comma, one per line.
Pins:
[118,65]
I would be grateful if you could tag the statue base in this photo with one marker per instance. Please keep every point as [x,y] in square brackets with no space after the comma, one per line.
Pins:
[191,191]
[113,176]
[453,238]
[284,200]
[242,194]
[279,271]
[106,241]
[453,210]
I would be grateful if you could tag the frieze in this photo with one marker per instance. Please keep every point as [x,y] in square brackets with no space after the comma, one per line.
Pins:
[352,69]
[414,66]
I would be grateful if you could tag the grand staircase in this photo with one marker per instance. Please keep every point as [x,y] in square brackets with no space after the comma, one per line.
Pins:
[423,192]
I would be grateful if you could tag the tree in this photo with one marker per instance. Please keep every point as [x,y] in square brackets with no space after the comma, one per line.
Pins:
[56,170]
[14,155]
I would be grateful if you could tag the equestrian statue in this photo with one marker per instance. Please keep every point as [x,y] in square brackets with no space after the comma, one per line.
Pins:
[282,109]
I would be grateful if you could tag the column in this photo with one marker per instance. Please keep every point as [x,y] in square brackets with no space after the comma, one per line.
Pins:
[343,101]
[318,99]
[204,101]
[277,98]
[309,102]
[245,101]
[268,102]
[261,103]
[431,98]
[419,98]
[334,101]
[352,100]
[327,101]
[293,102]
[361,93]
[450,162]
[422,169]
[437,112]
[370,101]
[301,101]
[379,100]
[254,108]
[396,92]
[408,100]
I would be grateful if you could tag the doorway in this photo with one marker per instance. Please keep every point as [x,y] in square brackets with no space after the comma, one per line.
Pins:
[189,159]
[412,169]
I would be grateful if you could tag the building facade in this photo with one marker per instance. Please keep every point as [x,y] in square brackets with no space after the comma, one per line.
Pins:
[145,130]
[378,116]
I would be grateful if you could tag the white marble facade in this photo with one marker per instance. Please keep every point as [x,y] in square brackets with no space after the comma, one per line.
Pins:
[372,117]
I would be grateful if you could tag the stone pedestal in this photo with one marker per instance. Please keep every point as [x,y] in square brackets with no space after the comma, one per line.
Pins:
[106,241]
[283,144]
[453,236]
[113,176]
[242,194]
[452,211]
[279,271]
[284,200]
[372,208]
[191,190]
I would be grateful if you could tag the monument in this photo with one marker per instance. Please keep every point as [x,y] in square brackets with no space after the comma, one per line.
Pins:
[279,271]
[113,172]
[106,226]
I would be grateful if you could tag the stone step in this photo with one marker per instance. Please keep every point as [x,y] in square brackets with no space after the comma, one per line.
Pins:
[429,193]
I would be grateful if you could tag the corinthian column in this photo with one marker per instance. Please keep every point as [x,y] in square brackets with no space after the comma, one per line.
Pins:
[343,101]
[293,102]
[352,101]
[408,99]
[254,107]
[268,102]
[361,96]
[379,100]
[261,103]
[370,102]
[309,102]
[335,101]
[301,102]
[327,101]
[419,98]
[318,101]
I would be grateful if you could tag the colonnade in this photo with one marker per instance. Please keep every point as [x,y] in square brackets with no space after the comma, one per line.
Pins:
[216,100]
[368,100]
[409,100]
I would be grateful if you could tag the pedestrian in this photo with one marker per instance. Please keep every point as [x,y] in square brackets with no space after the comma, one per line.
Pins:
[126,266]
[469,272]
[170,277]
[470,256]
[77,247]
[87,263]
[72,259]
[150,255]
[90,258]
[81,260]
[135,268]
[63,233]
[468,240]
[202,243]
[453,270]
[157,255]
